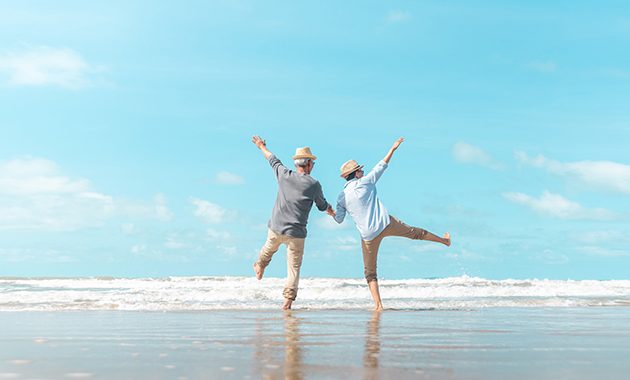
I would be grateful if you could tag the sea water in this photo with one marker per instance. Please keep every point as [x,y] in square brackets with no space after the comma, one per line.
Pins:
[247,293]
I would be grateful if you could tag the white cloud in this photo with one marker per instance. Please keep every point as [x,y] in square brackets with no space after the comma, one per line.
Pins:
[36,194]
[543,66]
[28,176]
[228,250]
[227,178]
[471,154]
[138,249]
[559,207]
[162,212]
[604,252]
[128,228]
[328,223]
[607,175]
[39,256]
[398,16]
[46,66]
[598,237]
[347,243]
[211,212]
[551,257]
[213,234]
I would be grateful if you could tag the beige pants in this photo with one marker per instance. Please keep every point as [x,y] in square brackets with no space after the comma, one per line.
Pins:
[295,251]
[370,248]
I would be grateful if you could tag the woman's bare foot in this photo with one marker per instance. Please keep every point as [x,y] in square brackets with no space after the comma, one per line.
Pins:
[287,304]
[378,308]
[259,271]
[446,239]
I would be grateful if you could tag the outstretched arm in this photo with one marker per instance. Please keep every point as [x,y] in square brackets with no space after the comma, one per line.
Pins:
[262,145]
[389,154]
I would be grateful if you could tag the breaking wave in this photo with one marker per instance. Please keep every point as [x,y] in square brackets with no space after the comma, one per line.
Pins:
[221,293]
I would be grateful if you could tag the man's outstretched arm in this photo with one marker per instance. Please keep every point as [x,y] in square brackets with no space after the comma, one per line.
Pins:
[262,145]
[389,154]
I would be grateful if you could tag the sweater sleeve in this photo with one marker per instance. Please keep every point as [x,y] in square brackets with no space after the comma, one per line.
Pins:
[277,166]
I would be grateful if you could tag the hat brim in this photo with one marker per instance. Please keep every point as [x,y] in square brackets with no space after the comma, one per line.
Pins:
[305,156]
[350,171]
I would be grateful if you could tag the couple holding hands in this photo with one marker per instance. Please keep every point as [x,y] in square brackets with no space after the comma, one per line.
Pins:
[297,191]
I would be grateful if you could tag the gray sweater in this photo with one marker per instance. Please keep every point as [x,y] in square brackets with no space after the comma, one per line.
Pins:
[296,194]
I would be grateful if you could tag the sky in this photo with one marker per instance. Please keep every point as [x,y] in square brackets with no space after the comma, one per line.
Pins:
[125,144]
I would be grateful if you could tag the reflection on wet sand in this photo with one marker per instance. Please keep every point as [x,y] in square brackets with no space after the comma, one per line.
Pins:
[269,344]
[372,346]
[292,350]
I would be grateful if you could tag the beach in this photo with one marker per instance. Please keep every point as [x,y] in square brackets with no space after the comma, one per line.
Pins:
[233,328]
[519,343]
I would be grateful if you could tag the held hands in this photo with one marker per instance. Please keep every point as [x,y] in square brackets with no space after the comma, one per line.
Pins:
[330,211]
[397,143]
[258,141]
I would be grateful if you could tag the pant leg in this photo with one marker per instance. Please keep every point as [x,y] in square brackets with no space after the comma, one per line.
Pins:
[295,253]
[370,254]
[398,228]
[269,248]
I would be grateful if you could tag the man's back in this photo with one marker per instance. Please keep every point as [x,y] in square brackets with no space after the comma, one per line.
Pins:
[296,194]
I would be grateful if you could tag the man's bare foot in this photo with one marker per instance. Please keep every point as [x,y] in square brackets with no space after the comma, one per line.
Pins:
[378,308]
[259,271]
[447,239]
[287,304]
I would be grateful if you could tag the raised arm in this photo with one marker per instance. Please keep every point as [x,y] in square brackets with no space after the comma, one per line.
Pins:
[262,145]
[389,154]
[275,163]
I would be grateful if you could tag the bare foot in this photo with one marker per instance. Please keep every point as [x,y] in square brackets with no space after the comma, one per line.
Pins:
[447,239]
[287,304]
[378,308]
[259,271]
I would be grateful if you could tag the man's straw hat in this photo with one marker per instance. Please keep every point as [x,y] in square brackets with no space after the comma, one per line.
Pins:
[348,167]
[304,152]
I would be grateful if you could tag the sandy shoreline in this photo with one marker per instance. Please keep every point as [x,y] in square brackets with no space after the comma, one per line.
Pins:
[575,343]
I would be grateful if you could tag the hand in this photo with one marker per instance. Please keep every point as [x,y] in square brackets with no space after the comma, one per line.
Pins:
[330,211]
[258,141]
[397,143]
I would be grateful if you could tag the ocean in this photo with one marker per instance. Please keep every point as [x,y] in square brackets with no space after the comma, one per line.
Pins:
[247,293]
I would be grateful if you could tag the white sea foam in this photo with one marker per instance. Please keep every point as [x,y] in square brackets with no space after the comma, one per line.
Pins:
[216,293]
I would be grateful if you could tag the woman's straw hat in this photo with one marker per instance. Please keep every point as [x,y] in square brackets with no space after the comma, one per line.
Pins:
[304,152]
[348,167]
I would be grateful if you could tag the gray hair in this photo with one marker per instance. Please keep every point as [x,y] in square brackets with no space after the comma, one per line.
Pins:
[302,162]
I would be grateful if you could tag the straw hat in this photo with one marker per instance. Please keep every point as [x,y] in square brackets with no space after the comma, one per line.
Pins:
[304,152]
[348,167]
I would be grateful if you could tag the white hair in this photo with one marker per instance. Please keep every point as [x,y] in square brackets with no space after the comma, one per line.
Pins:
[302,162]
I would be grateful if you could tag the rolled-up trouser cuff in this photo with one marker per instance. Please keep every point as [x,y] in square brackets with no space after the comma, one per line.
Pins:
[290,293]
[369,277]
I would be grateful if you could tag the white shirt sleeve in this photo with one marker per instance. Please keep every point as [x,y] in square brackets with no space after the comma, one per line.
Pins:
[375,174]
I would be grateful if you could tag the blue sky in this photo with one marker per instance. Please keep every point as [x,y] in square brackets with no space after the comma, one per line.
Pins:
[126,128]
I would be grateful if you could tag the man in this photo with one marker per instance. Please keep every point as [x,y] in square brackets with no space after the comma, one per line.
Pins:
[297,191]
[359,199]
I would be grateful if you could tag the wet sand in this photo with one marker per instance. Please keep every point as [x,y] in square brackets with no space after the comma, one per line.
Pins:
[515,343]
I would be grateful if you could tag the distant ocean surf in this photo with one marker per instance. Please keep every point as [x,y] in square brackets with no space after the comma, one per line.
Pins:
[235,293]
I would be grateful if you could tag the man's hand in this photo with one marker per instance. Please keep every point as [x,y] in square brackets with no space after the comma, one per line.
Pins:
[330,211]
[258,141]
[262,145]
[397,143]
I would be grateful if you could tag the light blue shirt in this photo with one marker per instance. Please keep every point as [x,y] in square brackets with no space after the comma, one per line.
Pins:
[359,199]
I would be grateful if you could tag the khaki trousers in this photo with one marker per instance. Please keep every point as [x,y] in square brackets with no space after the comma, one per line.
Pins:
[370,248]
[295,252]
